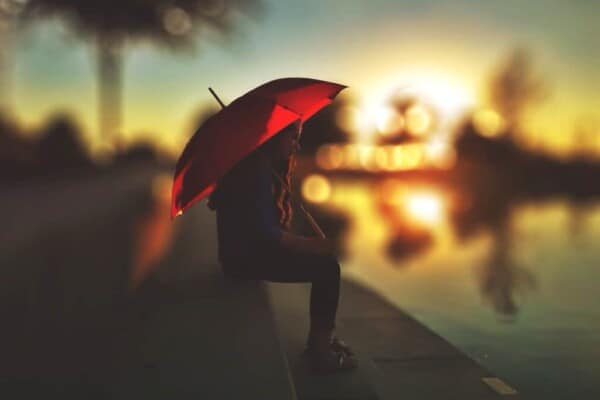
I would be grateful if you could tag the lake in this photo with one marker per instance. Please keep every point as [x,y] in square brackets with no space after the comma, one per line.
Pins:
[515,287]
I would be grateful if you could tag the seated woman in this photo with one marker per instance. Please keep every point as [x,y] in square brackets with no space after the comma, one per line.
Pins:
[254,212]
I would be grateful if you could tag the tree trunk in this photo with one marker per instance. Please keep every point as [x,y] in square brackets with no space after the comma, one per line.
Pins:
[110,74]
[6,69]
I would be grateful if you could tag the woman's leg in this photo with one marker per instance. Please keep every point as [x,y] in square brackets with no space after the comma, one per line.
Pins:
[322,272]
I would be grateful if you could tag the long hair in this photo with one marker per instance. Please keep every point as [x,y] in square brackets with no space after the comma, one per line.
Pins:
[283,196]
[283,168]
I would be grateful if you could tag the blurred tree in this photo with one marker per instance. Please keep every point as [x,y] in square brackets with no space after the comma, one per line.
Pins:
[60,145]
[15,148]
[174,24]
[142,150]
[322,128]
[414,113]
[514,86]
[585,137]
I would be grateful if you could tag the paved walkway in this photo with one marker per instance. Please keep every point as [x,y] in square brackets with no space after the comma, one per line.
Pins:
[399,358]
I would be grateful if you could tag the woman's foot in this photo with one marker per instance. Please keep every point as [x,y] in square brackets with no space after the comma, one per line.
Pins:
[330,362]
[340,346]
[336,345]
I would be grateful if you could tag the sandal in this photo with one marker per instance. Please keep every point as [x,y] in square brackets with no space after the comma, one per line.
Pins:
[340,346]
[337,345]
[330,362]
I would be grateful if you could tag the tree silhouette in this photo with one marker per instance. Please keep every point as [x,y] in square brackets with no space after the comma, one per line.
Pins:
[173,24]
[514,86]
[60,144]
[322,128]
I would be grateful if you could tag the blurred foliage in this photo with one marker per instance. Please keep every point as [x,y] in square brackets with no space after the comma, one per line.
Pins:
[322,128]
[172,23]
[58,149]
[60,144]
[515,86]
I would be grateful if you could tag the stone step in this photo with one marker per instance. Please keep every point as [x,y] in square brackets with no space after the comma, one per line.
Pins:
[204,335]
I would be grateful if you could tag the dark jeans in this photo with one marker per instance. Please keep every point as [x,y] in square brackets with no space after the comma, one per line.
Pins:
[323,272]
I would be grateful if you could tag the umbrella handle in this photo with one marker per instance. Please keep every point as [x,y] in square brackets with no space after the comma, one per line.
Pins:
[312,222]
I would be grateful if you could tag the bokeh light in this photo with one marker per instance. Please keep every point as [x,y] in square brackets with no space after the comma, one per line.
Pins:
[409,156]
[388,121]
[177,21]
[488,122]
[440,153]
[329,157]
[355,121]
[424,207]
[316,188]
[418,120]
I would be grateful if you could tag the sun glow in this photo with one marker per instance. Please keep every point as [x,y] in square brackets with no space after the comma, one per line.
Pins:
[424,207]
[449,96]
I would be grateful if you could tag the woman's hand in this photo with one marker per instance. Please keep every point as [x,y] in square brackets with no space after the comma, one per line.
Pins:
[325,246]
[306,244]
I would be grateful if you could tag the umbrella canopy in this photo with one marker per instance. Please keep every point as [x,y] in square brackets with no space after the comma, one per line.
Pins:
[239,128]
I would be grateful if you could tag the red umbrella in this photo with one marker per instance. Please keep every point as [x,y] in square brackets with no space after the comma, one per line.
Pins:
[239,128]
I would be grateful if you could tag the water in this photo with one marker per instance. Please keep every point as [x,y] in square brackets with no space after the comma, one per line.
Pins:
[516,288]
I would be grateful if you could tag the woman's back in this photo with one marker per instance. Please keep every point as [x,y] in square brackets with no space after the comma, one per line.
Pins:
[247,215]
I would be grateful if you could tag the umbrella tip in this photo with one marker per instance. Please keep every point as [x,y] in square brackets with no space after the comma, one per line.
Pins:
[178,213]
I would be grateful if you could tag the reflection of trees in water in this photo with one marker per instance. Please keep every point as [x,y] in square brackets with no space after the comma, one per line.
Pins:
[406,240]
[579,211]
[402,246]
[492,176]
[500,278]
[486,206]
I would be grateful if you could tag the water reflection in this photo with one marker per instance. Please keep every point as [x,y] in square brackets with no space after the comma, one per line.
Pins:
[397,224]
[485,259]
[501,280]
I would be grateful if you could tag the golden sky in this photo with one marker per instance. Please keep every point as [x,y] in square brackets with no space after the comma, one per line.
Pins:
[445,52]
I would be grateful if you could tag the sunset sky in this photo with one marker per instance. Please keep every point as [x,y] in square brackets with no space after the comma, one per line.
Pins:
[442,51]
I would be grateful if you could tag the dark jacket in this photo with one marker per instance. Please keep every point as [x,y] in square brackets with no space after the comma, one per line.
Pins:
[247,215]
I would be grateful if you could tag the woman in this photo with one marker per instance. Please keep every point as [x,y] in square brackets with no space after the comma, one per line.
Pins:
[253,220]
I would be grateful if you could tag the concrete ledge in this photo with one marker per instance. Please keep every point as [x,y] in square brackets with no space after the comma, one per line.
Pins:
[192,345]
[76,331]
[200,334]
